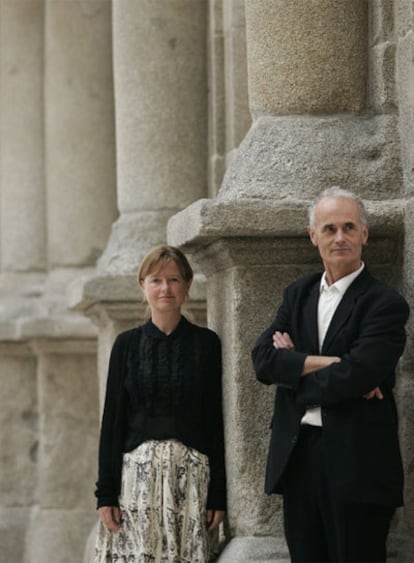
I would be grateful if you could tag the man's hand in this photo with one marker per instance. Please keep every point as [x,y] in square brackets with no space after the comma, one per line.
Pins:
[374,394]
[312,363]
[282,340]
[110,517]
[214,519]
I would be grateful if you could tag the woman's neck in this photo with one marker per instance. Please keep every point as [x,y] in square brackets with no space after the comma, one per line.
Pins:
[166,323]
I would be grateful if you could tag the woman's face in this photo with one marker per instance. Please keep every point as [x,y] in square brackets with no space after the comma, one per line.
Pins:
[164,288]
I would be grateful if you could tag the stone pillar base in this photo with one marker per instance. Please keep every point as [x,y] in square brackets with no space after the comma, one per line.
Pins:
[259,550]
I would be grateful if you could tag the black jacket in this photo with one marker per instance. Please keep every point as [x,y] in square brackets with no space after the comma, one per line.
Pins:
[360,436]
[200,417]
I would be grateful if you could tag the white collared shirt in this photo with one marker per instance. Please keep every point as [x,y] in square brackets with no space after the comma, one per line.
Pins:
[329,298]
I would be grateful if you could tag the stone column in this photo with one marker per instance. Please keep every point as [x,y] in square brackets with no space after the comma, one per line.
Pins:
[161,124]
[404,89]
[313,127]
[237,110]
[22,207]
[307,82]
[161,134]
[309,59]
[80,135]
[229,115]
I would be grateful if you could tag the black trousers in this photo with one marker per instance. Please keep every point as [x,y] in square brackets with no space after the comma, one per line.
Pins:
[318,527]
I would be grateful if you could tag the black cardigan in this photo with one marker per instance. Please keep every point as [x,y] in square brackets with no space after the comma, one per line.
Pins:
[200,415]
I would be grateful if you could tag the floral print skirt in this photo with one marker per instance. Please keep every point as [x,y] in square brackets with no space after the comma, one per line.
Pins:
[163,507]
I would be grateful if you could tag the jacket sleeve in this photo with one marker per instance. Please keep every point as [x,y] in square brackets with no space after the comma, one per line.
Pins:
[283,367]
[110,446]
[215,429]
[368,358]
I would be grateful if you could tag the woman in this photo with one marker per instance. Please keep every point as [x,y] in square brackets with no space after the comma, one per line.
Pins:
[161,485]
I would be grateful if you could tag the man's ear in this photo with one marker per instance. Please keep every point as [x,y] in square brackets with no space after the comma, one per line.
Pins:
[365,235]
[312,236]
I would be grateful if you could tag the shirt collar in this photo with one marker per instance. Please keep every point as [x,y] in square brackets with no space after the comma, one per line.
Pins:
[150,329]
[342,284]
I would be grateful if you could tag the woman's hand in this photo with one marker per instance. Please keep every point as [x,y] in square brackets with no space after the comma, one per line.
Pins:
[110,517]
[214,519]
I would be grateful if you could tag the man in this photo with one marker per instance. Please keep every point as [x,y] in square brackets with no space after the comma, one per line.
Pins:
[332,350]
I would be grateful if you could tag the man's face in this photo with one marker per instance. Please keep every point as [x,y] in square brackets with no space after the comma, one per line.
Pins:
[339,236]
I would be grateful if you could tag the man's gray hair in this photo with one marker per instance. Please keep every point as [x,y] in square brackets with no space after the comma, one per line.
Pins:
[336,191]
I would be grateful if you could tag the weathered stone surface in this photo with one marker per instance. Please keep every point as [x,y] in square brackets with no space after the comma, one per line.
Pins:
[79,129]
[249,549]
[69,423]
[382,85]
[299,156]
[13,527]
[237,110]
[209,219]
[248,405]
[19,424]
[58,535]
[133,234]
[309,59]
[22,166]
[405,88]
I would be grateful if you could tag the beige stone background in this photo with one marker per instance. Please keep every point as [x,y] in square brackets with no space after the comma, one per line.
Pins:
[210,124]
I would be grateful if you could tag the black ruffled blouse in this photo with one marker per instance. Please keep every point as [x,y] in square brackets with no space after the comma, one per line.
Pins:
[163,386]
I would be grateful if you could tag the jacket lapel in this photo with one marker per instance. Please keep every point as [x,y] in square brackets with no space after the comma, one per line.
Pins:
[310,316]
[345,308]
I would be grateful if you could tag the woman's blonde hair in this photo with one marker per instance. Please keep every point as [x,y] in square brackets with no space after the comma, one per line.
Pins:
[160,255]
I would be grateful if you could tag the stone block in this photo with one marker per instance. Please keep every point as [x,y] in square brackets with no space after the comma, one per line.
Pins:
[13,527]
[69,423]
[19,428]
[284,221]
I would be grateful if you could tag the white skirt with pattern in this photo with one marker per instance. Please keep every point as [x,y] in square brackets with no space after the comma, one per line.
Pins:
[163,507]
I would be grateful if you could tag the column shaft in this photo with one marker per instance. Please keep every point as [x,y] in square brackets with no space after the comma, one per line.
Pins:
[79,131]
[306,57]
[161,102]
[22,202]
